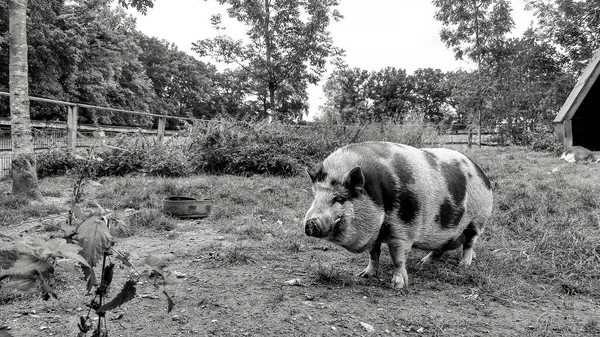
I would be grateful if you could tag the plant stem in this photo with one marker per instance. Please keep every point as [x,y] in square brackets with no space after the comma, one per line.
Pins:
[102,288]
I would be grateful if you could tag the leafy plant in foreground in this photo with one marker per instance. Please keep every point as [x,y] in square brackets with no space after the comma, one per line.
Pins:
[31,264]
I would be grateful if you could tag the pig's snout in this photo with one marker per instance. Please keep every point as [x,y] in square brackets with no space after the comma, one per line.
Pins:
[312,227]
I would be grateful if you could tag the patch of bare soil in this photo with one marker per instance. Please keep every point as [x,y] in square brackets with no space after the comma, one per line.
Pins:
[224,294]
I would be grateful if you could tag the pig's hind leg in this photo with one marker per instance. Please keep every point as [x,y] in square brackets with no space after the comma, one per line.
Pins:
[373,266]
[471,234]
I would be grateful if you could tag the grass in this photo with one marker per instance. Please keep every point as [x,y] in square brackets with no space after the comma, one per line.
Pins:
[544,223]
[543,238]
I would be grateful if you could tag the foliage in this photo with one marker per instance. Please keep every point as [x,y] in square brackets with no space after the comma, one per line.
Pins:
[287,49]
[230,147]
[31,263]
[573,26]
[54,162]
[90,51]
[139,154]
[354,95]
[472,28]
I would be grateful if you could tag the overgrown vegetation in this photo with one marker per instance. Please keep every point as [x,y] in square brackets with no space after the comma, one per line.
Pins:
[227,146]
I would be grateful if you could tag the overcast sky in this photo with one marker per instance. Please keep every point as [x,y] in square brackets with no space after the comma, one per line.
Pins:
[375,33]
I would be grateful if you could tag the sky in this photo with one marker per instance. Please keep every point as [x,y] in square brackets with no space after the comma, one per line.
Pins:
[375,33]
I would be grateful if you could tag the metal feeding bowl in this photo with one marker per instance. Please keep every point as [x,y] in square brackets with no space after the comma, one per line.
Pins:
[186,207]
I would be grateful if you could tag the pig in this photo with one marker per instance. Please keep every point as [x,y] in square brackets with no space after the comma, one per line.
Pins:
[370,193]
[577,154]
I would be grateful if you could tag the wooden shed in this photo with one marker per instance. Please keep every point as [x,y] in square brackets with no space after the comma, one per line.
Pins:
[578,121]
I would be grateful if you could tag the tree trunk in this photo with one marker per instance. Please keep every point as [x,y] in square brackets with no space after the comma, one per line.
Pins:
[23,171]
[272,85]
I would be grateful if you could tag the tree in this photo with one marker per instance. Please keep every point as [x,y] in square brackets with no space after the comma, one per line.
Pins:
[389,90]
[472,28]
[431,93]
[23,171]
[288,43]
[573,26]
[346,93]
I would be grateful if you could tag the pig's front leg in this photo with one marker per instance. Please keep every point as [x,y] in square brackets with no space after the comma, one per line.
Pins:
[398,251]
[373,267]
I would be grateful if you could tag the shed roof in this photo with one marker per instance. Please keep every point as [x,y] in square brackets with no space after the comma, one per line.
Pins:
[581,89]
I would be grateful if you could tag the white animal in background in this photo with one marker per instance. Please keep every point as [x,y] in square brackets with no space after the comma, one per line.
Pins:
[577,154]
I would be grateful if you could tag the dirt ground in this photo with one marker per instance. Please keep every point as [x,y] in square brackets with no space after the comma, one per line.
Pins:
[218,296]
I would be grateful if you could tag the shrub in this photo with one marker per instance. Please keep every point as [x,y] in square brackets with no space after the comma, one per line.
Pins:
[54,162]
[227,146]
[138,154]
[544,141]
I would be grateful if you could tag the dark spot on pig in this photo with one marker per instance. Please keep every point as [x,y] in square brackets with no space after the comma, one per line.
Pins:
[402,170]
[379,185]
[408,206]
[384,232]
[469,233]
[449,215]
[431,159]
[456,181]
[455,243]
[320,175]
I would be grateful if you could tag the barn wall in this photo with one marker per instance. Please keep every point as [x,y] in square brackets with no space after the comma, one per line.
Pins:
[586,121]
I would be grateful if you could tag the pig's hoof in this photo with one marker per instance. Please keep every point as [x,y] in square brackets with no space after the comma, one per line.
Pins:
[398,282]
[368,272]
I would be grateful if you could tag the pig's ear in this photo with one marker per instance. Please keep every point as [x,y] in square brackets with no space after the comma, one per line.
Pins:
[355,179]
[312,175]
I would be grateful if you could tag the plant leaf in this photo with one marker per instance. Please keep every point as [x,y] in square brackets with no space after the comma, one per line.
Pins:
[108,274]
[8,258]
[27,264]
[170,303]
[126,295]
[46,287]
[123,257]
[69,230]
[58,247]
[22,283]
[90,276]
[77,211]
[93,236]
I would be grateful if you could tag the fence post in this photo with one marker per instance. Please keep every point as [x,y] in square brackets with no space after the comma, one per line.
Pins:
[72,114]
[162,121]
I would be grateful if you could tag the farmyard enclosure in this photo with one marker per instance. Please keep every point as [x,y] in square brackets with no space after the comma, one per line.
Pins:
[535,275]
[86,247]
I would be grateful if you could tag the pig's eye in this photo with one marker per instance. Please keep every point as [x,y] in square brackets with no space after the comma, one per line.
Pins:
[339,200]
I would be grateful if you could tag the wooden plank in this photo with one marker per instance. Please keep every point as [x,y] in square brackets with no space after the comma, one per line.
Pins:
[72,114]
[87,127]
[88,106]
[568,142]
[161,129]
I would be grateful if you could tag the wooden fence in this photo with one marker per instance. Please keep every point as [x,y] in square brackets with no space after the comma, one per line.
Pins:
[60,134]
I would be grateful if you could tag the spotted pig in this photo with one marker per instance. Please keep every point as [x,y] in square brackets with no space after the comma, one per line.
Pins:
[371,193]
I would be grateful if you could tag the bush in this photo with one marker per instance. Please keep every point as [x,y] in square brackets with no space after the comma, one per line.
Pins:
[230,147]
[142,155]
[54,162]
[227,146]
